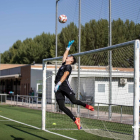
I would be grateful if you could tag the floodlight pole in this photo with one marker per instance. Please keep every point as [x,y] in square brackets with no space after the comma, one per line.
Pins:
[110,64]
[56,24]
[0,63]
[78,109]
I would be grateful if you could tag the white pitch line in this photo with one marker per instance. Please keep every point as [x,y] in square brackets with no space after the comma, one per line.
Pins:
[38,128]
[69,129]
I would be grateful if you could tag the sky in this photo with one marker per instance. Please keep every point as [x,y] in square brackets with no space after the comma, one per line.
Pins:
[21,19]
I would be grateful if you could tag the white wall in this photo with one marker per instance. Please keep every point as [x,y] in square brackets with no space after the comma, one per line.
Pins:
[101,97]
[88,87]
[36,74]
[120,94]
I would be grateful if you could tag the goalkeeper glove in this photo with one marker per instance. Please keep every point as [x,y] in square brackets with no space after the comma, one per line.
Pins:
[57,86]
[69,44]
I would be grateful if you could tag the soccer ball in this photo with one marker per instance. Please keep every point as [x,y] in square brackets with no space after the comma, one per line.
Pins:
[62,18]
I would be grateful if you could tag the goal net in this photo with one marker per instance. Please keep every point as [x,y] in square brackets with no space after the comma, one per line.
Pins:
[110,84]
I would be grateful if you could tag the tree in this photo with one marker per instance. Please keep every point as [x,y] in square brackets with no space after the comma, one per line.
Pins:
[94,35]
[48,42]
[13,50]
[67,34]
[28,52]
[5,57]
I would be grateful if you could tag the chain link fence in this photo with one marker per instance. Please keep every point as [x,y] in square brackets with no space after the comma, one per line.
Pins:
[94,20]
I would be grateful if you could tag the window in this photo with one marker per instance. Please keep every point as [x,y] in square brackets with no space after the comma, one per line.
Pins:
[101,87]
[130,88]
[39,87]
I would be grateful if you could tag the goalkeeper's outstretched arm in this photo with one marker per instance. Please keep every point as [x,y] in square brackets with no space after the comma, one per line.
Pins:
[67,50]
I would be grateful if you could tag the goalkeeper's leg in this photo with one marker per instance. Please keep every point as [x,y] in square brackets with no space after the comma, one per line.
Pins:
[78,102]
[61,104]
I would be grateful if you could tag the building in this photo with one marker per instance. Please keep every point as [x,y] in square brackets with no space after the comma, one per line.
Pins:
[94,82]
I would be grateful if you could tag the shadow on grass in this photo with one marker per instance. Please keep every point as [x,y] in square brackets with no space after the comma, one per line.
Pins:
[16,138]
[24,132]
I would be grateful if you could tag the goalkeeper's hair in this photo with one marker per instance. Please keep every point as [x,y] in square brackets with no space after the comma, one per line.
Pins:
[74,60]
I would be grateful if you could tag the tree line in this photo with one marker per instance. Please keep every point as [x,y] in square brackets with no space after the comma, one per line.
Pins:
[94,35]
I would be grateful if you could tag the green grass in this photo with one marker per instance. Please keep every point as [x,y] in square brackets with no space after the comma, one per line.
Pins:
[15,131]
[12,130]
[63,121]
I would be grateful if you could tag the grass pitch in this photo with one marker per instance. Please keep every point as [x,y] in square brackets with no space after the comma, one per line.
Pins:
[14,131]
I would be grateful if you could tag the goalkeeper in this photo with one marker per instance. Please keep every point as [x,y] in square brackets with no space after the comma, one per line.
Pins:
[62,87]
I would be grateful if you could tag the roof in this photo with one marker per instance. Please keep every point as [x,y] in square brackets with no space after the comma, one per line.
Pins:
[8,66]
[102,68]
[39,66]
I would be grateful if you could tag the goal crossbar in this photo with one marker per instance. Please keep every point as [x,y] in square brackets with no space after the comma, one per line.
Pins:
[96,50]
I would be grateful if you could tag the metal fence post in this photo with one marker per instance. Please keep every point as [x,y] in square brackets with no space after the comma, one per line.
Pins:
[121,113]
[17,100]
[98,112]
[14,99]
[11,100]
[29,101]
[1,99]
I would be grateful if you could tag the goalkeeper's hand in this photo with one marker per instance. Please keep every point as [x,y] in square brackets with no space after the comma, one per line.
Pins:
[57,86]
[69,44]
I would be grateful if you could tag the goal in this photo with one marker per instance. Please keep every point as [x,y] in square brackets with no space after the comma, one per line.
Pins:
[111,86]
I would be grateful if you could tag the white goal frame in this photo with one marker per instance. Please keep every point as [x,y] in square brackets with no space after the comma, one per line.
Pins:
[136,44]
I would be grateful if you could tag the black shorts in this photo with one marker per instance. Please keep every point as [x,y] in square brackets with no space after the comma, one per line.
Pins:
[64,91]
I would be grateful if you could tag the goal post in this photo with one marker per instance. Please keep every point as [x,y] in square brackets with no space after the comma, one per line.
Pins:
[44,96]
[134,45]
[136,91]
